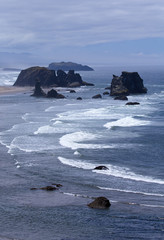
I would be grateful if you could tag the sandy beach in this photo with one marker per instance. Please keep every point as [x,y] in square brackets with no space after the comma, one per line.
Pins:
[12,89]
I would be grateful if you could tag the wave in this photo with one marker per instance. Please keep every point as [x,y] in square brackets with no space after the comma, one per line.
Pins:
[47,129]
[30,144]
[91,113]
[126,122]
[130,191]
[114,171]
[73,141]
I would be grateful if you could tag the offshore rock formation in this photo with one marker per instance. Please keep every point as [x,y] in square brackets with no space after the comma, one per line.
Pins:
[66,66]
[54,94]
[49,78]
[100,203]
[38,92]
[127,83]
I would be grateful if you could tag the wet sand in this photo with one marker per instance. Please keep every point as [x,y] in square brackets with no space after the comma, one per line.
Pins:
[12,89]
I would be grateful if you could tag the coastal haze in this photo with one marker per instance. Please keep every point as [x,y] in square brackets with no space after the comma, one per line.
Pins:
[59,154]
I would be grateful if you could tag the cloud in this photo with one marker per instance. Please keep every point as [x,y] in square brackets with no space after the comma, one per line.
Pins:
[45,25]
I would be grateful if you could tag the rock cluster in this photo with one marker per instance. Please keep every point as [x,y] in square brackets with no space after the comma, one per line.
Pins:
[127,83]
[38,92]
[49,78]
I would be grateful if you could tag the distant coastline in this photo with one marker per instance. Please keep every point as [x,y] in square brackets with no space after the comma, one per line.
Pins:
[12,69]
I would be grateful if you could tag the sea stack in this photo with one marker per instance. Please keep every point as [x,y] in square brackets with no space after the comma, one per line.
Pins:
[127,83]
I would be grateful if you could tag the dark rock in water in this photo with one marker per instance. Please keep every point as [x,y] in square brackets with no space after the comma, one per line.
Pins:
[79,98]
[49,188]
[33,188]
[87,84]
[127,83]
[57,184]
[107,88]
[101,168]
[124,98]
[49,78]
[38,92]
[100,203]
[106,93]
[54,94]
[66,66]
[72,91]
[132,103]
[28,77]
[97,96]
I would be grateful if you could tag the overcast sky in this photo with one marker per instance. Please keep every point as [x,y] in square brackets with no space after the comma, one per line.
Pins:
[37,32]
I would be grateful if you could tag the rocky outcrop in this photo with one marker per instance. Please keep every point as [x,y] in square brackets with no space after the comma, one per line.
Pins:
[127,83]
[101,167]
[38,91]
[121,97]
[28,77]
[105,93]
[100,203]
[54,94]
[132,103]
[49,78]
[66,66]
[97,96]
[48,188]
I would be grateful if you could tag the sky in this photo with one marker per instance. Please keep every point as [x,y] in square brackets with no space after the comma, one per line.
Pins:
[106,32]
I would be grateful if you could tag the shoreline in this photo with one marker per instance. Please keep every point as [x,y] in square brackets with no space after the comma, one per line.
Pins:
[11,89]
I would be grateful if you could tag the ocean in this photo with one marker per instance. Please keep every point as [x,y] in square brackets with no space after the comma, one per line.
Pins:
[60,141]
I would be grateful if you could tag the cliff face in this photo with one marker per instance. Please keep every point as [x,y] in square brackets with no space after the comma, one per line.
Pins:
[127,83]
[47,78]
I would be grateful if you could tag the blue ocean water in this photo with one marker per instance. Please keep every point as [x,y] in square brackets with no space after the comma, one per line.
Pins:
[45,141]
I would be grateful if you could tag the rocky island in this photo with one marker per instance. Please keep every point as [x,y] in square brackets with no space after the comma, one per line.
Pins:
[127,83]
[66,66]
[49,78]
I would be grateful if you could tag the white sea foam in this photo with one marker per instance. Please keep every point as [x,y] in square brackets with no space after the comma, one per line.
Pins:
[76,163]
[130,191]
[115,171]
[74,141]
[57,122]
[126,122]
[47,129]
[92,113]
[30,144]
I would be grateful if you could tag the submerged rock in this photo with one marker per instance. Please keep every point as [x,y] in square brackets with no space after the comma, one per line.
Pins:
[49,188]
[124,98]
[72,91]
[100,203]
[132,103]
[127,83]
[97,96]
[106,93]
[101,168]
[79,98]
